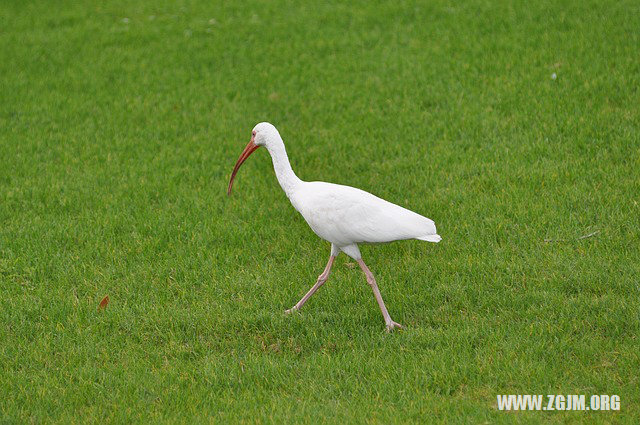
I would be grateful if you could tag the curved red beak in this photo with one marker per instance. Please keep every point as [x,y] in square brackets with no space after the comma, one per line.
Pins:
[248,150]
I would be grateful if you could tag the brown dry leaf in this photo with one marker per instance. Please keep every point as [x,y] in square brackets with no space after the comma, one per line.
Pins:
[103,303]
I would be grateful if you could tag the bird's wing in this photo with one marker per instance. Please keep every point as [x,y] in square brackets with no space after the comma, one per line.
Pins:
[352,215]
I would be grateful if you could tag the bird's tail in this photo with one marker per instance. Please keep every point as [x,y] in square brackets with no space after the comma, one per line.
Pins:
[430,238]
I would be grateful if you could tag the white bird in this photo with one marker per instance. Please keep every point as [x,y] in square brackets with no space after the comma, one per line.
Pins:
[342,215]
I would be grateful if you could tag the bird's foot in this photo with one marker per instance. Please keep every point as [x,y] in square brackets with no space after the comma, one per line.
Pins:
[392,325]
[291,310]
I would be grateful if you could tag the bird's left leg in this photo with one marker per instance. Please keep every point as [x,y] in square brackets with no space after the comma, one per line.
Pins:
[376,292]
[321,280]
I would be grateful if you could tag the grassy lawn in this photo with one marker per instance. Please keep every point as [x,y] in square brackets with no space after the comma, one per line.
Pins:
[508,123]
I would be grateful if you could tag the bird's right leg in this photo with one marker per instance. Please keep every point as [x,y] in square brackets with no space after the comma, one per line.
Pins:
[321,280]
[391,325]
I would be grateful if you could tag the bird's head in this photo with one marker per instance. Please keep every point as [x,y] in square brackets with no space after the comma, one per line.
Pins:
[262,134]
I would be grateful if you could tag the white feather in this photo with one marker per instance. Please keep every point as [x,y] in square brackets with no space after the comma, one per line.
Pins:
[345,215]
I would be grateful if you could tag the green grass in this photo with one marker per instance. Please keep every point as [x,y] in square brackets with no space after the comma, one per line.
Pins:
[117,139]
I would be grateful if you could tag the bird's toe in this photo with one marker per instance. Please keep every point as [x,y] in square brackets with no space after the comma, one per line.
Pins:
[393,325]
[291,310]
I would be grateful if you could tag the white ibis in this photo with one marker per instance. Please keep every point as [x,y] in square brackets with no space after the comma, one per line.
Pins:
[342,215]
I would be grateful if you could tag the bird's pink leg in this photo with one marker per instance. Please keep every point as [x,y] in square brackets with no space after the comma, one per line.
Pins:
[321,280]
[376,292]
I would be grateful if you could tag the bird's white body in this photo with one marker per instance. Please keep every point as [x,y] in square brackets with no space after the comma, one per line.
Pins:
[342,215]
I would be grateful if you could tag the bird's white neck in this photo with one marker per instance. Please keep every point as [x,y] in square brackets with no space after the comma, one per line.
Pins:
[286,177]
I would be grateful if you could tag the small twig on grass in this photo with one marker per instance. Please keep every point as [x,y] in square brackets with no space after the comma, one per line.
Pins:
[589,235]
[579,238]
[555,240]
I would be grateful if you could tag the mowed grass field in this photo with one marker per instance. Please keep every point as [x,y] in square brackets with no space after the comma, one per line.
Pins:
[120,123]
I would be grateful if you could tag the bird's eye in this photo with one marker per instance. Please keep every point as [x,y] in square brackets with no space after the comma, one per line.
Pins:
[253,133]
